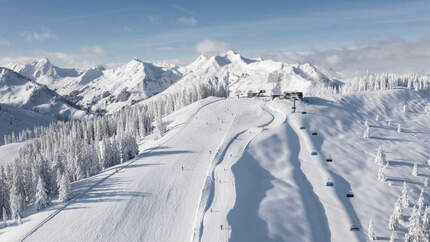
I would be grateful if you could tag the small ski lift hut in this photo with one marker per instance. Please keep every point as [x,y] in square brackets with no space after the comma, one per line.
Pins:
[293,95]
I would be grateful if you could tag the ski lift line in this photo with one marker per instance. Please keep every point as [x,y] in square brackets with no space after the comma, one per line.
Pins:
[343,200]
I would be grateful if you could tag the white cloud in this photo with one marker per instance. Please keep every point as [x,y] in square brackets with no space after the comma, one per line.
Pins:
[212,47]
[39,36]
[15,60]
[93,50]
[385,56]
[187,20]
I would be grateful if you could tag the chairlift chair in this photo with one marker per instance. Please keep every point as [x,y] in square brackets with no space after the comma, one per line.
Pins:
[329,160]
[302,127]
[350,194]
[354,228]
[329,183]
[314,153]
[314,133]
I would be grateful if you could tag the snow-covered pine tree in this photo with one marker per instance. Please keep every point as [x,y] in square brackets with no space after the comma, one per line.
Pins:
[415,169]
[393,237]
[426,222]
[404,197]
[393,223]
[371,231]
[426,182]
[377,117]
[42,199]
[381,176]
[366,134]
[160,127]
[380,158]
[415,230]
[420,202]
[398,210]
[399,128]
[64,190]
[4,217]
[15,204]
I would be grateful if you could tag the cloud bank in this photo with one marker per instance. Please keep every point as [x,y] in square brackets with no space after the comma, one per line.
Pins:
[208,47]
[386,56]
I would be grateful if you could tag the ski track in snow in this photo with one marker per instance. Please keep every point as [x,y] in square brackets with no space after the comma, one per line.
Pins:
[220,176]
[117,169]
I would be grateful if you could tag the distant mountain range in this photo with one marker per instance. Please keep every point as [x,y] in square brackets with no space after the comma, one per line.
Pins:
[107,90]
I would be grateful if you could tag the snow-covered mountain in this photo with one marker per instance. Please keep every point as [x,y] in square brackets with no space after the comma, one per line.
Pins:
[108,90]
[125,85]
[243,74]
[19,91]
[45,73]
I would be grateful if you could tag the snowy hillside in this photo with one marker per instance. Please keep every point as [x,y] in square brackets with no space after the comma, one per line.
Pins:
[254,171]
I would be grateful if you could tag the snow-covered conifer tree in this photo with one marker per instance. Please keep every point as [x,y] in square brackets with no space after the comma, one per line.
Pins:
[404,197]
[399,129]
[371,231]
[380,157]
[15,203]
[42,199]
[64,190]
[420,202]
[415,230]
[426,222]
[393,223]
[426,182]
[381,176]
[366,134]
[4,218]
[415,169]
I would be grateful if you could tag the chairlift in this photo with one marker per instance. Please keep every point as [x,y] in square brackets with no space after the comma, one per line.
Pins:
[350,194]
[329,183]
[329,160]
[302,127]
[314,153]
[304,112]
[314,133]
[354,228]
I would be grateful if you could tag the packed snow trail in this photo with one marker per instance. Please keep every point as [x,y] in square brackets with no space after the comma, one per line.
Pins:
[213,225]
[156,197]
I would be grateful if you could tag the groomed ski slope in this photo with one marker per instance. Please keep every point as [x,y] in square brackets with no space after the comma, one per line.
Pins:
[242,170]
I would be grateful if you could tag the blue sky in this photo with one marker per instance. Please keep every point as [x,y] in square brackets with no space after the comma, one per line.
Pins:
[109,32]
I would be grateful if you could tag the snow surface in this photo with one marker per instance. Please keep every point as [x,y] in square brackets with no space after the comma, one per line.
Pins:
[242,170]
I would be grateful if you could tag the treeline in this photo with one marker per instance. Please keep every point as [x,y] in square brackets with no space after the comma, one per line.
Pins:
[386,81]
[65,152]
[372,82]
